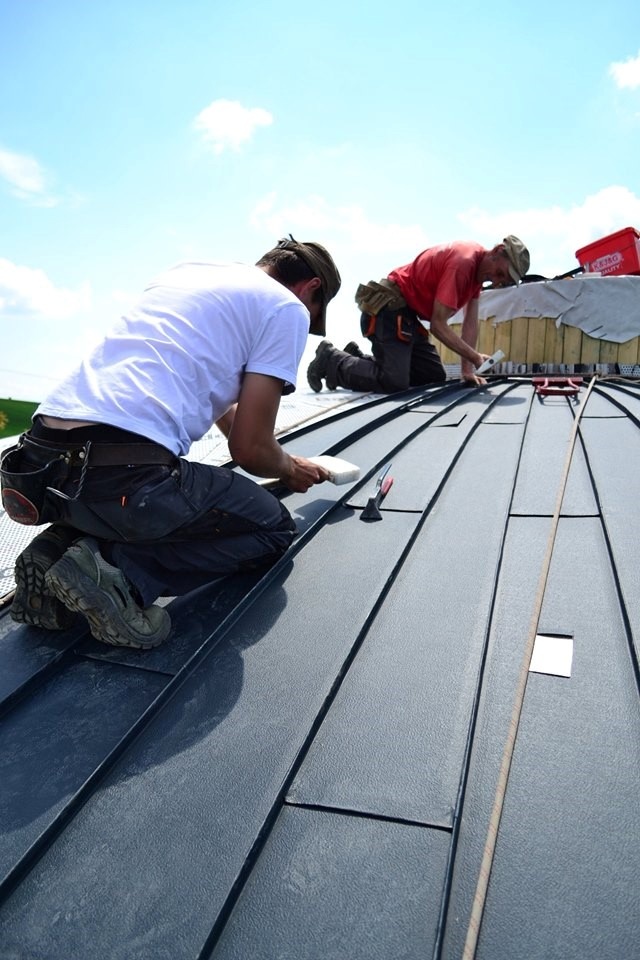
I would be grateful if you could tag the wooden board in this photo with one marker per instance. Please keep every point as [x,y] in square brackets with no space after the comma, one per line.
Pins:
[538,340]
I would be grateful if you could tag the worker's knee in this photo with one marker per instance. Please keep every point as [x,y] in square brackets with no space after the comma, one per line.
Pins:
[393,382]
[268,545]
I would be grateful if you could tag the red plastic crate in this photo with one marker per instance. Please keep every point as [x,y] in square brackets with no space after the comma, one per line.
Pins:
[618,253]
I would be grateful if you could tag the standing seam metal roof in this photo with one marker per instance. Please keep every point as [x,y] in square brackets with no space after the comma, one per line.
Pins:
[308,767]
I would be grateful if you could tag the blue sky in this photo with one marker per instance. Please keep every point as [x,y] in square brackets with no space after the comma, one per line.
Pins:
[136,133]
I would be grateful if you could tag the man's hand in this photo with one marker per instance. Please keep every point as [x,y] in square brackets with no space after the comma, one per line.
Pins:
[468,371]
[464,346]
[474,380]
[252,443]
[302,474]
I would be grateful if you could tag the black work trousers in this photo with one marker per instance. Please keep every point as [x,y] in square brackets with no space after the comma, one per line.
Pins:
[403,356]
[170,529]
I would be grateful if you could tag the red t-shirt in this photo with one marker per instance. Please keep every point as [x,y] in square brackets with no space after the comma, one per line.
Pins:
[446,273]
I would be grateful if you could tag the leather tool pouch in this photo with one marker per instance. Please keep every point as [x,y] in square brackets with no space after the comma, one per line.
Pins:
[24,483]
[373,297]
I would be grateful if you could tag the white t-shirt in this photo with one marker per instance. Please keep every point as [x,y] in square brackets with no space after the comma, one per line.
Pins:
[173,365]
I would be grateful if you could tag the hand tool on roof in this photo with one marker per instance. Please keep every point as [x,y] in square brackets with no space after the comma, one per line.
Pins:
[340,471]
[383,485]
[558,386]
[491,362]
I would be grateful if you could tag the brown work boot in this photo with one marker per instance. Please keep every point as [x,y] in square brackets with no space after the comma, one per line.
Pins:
[318,369]
[353,348]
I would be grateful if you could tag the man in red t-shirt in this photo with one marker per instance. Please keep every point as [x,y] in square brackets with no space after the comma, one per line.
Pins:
[433,287]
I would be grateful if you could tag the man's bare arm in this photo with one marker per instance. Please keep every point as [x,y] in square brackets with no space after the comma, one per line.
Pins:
[225,422]
[442,331]
[470,336]
[252,443]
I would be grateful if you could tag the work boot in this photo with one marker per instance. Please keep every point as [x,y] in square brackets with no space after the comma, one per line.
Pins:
[84,581]
[33,602]
[353,348]
[318,369]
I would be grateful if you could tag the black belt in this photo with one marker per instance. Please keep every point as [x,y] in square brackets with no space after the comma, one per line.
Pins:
[93,453]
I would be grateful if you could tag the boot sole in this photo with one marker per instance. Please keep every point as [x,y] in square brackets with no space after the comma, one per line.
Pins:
[34,603]
[314,381]
[79,592]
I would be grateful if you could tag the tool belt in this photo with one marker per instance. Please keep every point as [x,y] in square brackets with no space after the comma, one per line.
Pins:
[33,467]
[373,297]
[93,453]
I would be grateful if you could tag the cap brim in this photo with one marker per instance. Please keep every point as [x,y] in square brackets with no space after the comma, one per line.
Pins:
[318,327]
[513,273]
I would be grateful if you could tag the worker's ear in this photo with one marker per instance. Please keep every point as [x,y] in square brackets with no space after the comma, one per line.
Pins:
[305,290]
[314,284]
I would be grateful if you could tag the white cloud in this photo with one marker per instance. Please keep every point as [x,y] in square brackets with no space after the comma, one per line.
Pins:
[346,226]
[367,248]
[227,124]
[25,177]
[123,299]
[626,73]
[26,292]
[553,234]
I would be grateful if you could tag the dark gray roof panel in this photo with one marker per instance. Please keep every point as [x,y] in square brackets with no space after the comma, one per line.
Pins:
[575,773]
[188,800]
[579,499]
[418,470]
[435,401]
[194,617]
[578,737]
[393,744]
[448,418]
[422,464]
[50,747]
[624,396]
[524,552]
[613,451]
[296,903]
[310,762]
[374,450]
[599,406]
[312,439]
[514,406]
[28,654]
[544,457]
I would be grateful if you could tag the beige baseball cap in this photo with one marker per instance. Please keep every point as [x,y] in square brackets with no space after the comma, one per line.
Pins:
[518,257]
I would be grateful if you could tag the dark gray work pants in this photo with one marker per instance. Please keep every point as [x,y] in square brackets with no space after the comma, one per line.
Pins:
[170,529]
[403,357]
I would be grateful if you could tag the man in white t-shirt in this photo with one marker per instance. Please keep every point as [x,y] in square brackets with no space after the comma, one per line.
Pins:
[131,519]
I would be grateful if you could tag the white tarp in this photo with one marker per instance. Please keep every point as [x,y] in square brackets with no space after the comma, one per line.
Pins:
[607,308]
